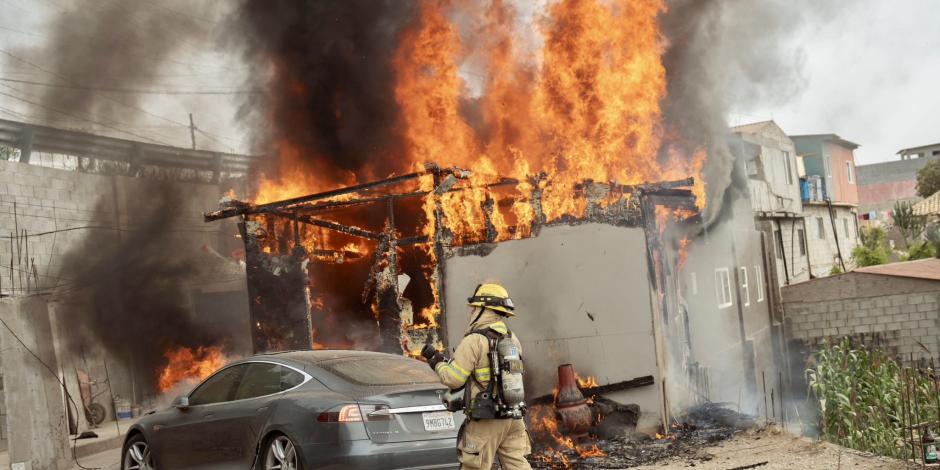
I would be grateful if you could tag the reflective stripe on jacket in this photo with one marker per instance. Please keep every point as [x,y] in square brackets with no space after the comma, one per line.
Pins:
[472,356]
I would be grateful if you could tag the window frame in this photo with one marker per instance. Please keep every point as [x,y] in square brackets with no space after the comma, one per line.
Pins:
[850,173]
[788,167]
[801,236]
[820,228]
[721,287]
[744,286]
[307,378]
[760,282]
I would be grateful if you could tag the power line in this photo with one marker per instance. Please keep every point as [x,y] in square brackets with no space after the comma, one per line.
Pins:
[75,116]
[131,90]
[57,378]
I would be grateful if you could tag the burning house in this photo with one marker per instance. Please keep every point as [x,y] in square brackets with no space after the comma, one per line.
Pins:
[570,167]
[387,266]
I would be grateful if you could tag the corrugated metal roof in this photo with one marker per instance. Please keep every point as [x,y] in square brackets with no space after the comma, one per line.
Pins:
[929,206]
[921,269]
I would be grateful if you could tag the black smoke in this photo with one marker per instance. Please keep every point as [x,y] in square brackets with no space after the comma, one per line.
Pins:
[126,289]
[326,66]
[116,45]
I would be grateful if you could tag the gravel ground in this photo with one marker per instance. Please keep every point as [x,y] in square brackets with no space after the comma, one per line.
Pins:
[780,450]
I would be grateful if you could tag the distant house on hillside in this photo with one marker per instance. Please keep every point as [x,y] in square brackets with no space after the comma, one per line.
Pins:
[883,184]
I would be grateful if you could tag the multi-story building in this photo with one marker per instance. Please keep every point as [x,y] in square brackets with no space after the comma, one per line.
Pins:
[829,190]
[774,184]
[883,184]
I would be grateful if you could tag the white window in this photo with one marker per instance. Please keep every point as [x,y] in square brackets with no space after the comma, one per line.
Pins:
[845,224]
[849,172]
[787,168]
[759,278]
[820,228]
[723,287]
[693,284]
[744,288]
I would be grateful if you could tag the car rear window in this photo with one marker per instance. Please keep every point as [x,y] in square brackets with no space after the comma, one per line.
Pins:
[382,371]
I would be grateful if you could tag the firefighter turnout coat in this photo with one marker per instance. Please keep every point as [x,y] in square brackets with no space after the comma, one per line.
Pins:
[483,440]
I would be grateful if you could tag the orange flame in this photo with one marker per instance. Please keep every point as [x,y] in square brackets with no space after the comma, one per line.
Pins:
[572,100]
[189,364]
[589,382]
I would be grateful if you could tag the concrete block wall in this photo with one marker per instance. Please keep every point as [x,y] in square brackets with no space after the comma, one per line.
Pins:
[903,313]
[39,200]
[823,252]
[796,263]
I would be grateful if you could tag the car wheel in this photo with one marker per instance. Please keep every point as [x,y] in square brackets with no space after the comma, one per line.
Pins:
[137,455]
[280,454]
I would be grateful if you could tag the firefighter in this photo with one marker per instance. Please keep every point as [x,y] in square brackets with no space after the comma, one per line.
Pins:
[494,427]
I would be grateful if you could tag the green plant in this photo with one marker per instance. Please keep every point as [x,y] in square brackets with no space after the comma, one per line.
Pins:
[873,249]
[920,250]
[836,269]
[933,236]
[910,225]
[859,394]
[928,179]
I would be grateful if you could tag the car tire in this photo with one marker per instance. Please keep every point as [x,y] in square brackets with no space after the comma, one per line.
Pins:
[279,452]
[136,454]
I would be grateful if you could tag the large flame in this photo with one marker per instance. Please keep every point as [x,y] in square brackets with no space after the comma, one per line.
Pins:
[572,99]
[186,364]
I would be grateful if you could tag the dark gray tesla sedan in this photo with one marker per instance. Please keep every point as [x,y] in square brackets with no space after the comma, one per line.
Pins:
[303,410]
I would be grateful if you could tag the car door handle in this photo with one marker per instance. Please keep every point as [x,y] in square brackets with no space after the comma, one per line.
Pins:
[263,408]
[208,415]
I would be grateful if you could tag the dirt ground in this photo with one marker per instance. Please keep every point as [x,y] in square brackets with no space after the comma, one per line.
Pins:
[780,450]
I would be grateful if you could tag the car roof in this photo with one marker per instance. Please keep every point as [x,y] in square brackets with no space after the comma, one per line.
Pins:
[314,357]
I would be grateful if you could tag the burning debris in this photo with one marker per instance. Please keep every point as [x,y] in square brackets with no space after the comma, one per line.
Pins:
[703,425]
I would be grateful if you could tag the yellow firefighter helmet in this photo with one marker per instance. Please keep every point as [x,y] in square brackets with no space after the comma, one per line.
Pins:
[494,297]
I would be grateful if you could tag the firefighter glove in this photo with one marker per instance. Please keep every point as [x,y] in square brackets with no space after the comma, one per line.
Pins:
[432,355]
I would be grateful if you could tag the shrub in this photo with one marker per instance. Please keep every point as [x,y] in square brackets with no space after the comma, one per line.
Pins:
[920,250]
[873,249]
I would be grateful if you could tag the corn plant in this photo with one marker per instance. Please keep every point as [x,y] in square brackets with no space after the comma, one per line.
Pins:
[861,397]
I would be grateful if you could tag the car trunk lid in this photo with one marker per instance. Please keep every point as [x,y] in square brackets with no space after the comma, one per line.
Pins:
[410,415]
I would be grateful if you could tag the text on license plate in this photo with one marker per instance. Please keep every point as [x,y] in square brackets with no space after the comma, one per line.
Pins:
[438,421]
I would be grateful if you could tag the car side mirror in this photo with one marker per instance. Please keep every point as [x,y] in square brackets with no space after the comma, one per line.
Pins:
[181,402]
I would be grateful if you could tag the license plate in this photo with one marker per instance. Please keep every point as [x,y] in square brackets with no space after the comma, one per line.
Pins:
[438,421]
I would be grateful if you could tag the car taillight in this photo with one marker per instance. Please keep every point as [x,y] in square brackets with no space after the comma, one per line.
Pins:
[346,414]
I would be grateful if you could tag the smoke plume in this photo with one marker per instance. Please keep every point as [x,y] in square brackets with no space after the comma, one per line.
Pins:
[129,285]
[334,61]
[111,45]
[724,56]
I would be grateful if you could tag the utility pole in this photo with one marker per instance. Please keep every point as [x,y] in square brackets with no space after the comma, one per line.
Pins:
[192,131]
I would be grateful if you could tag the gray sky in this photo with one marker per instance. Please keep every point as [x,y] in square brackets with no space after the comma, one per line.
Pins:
[872,75]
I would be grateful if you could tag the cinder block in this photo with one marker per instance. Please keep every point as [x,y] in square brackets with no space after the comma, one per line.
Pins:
[835,307]
[909,325]
[882,302]
[926,323]
[885,319]
[814,317]
[892,310]
[930,307]
[915,299]
[863,329]
[909,308]
[866,304]
[918,316]
[898,300]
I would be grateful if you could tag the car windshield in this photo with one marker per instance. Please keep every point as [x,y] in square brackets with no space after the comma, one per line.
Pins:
[381,371]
